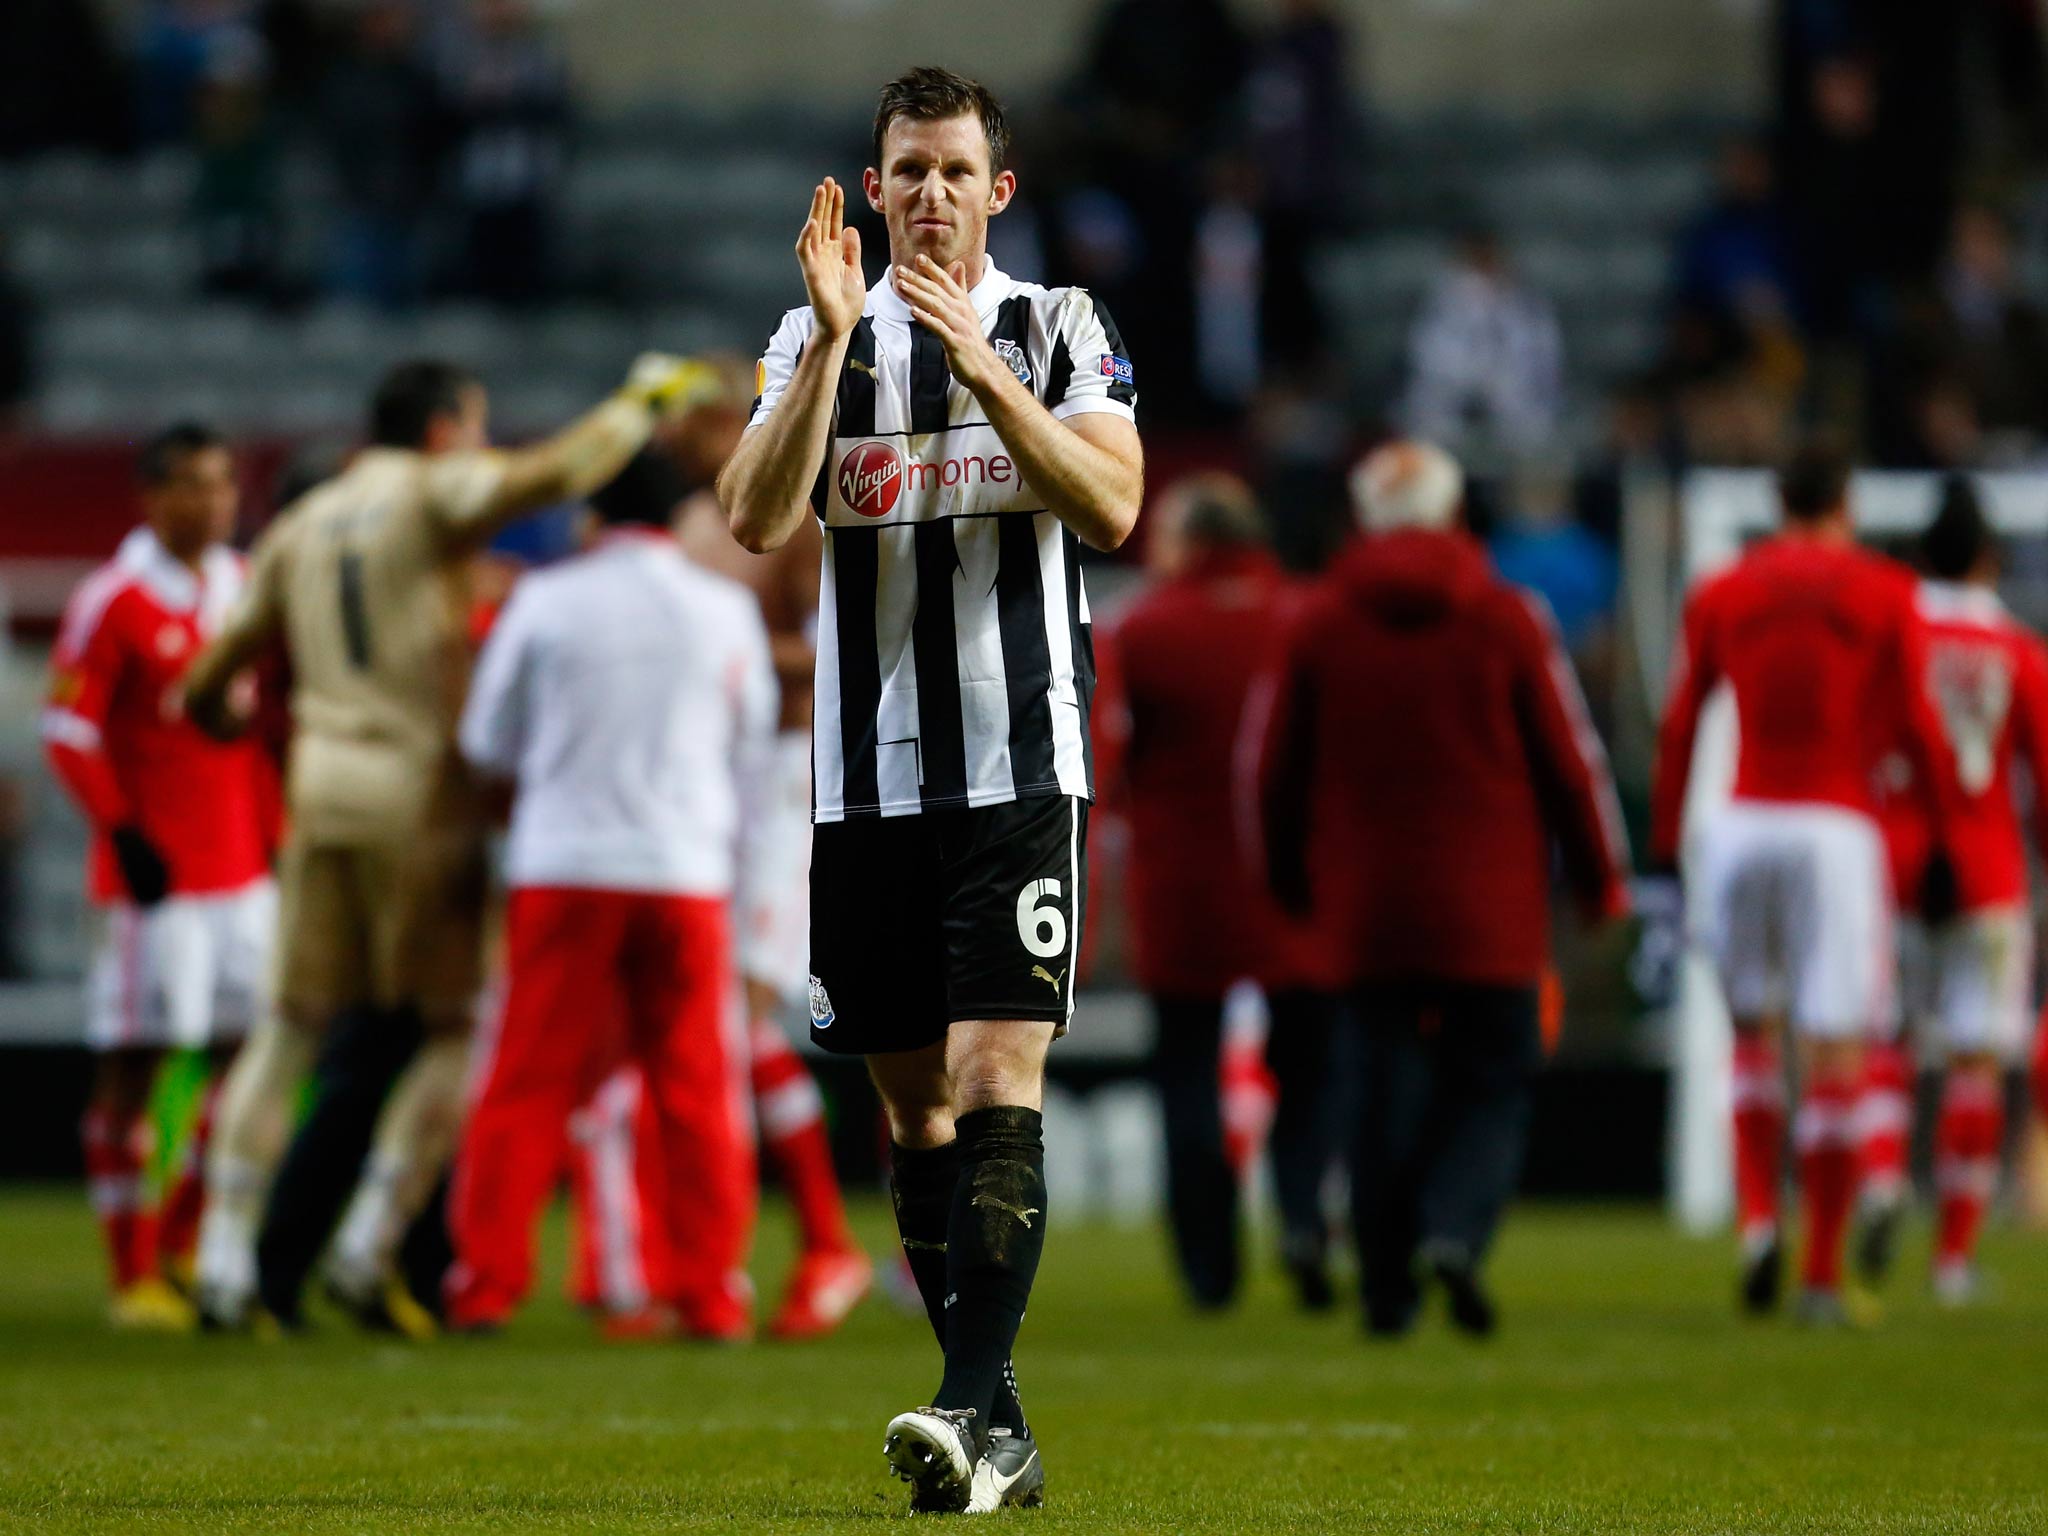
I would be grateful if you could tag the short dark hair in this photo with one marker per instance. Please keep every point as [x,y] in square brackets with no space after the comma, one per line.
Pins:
[1960,534]
[928,94]
[1814,481]
[1223,513]
[411,396]
[645,492]
[162,454]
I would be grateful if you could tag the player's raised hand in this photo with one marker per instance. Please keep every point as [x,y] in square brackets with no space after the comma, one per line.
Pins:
[668,386]
[829,254]
[939,301]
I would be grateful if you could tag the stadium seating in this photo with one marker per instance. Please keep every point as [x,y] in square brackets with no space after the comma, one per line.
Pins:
[1587,209]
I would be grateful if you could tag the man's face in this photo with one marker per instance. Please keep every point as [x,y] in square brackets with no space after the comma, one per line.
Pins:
[934,189]
[1980,249]
[195,505]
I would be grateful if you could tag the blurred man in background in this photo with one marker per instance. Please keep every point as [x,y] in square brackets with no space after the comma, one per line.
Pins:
[1813,636]
[1960,373]
[1485,355]
[382,870]
[622,1246]
[772,906]
[182,837]
[1429,754]
[505,94]
[1967,964]
[376,119]
[630,697]
[1175,672]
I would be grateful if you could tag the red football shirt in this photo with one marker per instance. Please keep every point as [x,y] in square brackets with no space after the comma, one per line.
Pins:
[1173,675]
[115,731]
[1812,633]
[1986,677]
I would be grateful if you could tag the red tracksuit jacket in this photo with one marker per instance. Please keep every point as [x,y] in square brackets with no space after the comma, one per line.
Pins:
[1172,676]
[1428,748]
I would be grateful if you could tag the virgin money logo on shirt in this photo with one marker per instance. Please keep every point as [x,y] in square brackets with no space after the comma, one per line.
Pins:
[877,479]
[871,478]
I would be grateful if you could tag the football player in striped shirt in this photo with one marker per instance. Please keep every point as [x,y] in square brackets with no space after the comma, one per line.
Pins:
[958,435]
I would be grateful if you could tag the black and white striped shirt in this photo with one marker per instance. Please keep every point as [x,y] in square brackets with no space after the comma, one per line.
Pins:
[955,664]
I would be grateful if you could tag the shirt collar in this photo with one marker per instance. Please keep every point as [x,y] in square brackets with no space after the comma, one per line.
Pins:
[1960,600]
[170,580]
[884,303]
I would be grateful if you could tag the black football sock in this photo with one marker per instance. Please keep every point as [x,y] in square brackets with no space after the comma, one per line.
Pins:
[363,1056]
[921,1183]
[428,1252]
[1008,1412]
[993,1243]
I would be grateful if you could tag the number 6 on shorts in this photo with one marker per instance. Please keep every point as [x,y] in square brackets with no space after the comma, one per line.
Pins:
[1043,929]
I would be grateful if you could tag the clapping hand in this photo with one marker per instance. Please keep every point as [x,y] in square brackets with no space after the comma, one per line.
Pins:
[939,301]
[829,254]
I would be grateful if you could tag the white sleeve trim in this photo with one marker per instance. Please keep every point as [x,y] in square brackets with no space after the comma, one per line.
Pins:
[68,729]
[1092,405]
[778,363]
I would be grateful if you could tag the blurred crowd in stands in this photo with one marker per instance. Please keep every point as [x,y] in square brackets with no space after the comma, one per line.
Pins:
[444,125]
[1867,259]
[1866,264]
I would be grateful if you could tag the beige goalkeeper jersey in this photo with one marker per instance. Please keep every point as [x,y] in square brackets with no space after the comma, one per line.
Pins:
[366,576]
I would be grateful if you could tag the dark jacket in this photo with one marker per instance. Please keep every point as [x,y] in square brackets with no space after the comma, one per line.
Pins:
[1173,674]
[1428,751]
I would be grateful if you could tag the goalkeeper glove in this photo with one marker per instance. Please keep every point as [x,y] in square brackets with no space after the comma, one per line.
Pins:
[143,869]
[670,385]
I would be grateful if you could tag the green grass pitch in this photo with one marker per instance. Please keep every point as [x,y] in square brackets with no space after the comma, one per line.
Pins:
[1623,1396]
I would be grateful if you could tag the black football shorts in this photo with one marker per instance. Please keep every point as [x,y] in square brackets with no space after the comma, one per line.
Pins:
[966,913]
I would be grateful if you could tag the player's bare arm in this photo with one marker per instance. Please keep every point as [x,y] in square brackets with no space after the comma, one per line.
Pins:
[766,483]
[591,450]
[1090,470]
[213,701]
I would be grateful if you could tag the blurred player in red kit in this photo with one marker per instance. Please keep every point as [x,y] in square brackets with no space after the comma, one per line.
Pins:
[183,830]
[630,697]
[1792,893]
[1174,672]
[772,913]
[1967,962]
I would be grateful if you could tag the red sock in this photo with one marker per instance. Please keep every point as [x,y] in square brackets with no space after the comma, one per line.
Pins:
[792,1121]
[178,1228]
[1249,1092]
[2041,1066]
[1826,1135]
[1884,1123]
[1759,1104]
[1967,1141]
[117,1178]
